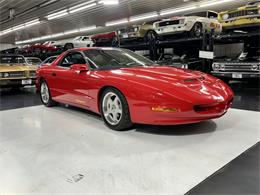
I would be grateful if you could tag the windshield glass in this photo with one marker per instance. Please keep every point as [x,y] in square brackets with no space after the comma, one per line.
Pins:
[119,58]
[33,61]
[12,60]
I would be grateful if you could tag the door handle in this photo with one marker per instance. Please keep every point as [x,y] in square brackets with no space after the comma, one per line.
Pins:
[53,74]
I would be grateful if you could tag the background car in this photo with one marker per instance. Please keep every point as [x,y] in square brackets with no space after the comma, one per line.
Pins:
[244,66]
[15,72]
[143,31]
[48,60]
[105,39]
[80,41]
[126,88]
[33,61]
[195,24]
[245,16]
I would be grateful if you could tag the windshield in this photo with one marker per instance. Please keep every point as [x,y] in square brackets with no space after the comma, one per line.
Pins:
[12,60]
[33,61]
[118,58]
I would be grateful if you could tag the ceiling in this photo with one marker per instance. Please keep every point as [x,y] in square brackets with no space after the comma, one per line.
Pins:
[27,10]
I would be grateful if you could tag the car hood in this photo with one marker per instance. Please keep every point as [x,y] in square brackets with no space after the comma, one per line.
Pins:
[13,68]
[189,85]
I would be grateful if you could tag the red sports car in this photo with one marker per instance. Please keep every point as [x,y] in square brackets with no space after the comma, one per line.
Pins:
[126,88]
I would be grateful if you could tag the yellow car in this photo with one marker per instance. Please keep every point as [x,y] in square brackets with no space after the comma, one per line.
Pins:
[143,31]
[248,15]
[15,72]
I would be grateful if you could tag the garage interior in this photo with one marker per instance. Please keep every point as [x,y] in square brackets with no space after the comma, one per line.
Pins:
[65,149]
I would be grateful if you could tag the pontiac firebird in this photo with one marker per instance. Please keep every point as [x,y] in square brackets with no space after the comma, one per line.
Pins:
[126,88]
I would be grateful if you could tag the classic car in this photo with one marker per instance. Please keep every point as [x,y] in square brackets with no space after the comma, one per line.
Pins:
[143,31]
[183,61]
[194,24]
[15,72]
[48,60]
[245,16]
[33,61]
[80,41]
[246,65]
[105,39]
[126,88]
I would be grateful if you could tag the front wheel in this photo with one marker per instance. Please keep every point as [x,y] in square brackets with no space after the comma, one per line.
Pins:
[196,31]
[45,95]
[114,110]
[151,36]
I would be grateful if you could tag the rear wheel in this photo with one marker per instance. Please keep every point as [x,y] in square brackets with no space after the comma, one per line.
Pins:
[151,36]
[45,95]
[114,110]
[68,46]
[196,31]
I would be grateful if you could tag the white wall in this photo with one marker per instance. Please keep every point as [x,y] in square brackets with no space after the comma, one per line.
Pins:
[4,46]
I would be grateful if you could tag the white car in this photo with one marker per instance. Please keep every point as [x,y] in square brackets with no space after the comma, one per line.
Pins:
[81,41]
[195,24]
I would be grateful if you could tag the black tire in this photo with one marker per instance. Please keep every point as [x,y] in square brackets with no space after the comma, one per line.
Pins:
[197,30]
[50,101]
[226,80]
[150,36]
[15,88]
[125,121]
[68,46]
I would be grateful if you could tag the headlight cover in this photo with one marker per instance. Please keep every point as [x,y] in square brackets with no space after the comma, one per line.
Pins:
[255,67]
[6,74]
[225,16]
[136,29]
[216,67]
[182,21]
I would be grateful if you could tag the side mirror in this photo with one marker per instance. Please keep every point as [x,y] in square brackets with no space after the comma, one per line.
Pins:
[79,68]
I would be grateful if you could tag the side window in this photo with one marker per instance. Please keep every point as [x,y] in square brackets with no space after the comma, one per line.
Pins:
[212,15]
[84,38]
[72,58]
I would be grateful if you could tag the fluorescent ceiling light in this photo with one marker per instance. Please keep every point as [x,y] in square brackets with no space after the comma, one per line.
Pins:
[45,37]
[143,16]
[57,35]
[73,10]
[82,4]
[57,15]
[87,28]
[33,22]
[116,22]
[177,10]
[109,2]
[71,32]
[21,26]
[206,4]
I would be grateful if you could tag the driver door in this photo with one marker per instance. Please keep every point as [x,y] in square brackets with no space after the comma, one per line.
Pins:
[72,85]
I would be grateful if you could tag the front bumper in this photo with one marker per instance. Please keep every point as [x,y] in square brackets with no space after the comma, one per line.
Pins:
[186,115]
[130,36]
[241,22]
[17,82]
[172,30]
[236,75]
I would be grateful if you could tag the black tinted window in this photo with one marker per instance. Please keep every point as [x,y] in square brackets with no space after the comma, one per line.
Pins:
[72,58]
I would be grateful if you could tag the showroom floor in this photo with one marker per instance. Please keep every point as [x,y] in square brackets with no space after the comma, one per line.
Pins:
[65,149]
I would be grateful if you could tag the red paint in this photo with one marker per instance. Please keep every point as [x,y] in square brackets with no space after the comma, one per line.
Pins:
[109,35]
[196,96]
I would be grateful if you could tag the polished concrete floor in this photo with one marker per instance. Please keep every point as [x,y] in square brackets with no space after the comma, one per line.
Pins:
[65,149]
